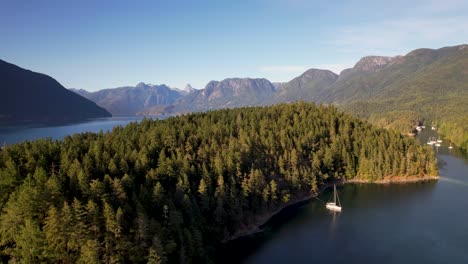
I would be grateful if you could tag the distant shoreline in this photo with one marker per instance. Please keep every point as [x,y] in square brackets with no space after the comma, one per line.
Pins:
[262,220]
[397,180]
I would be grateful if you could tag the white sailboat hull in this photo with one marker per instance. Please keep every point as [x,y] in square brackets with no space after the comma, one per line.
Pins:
[333,207]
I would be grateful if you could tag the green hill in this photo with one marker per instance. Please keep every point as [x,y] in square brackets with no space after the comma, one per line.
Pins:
[306,86]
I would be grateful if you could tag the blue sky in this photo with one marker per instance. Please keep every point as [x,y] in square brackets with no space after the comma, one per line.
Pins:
[104,44]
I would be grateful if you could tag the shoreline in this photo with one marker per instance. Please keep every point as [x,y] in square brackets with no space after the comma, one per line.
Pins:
[256,228]
[396,180]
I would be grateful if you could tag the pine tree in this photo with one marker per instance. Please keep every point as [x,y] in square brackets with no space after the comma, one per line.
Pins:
[30,244]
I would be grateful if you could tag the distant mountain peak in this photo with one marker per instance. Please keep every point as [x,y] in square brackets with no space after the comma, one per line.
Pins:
[78,90]
[238,87]
[129,100]
[373,63]
[141,85]
[306,86]
[278,85]
[318,73]
[188,88]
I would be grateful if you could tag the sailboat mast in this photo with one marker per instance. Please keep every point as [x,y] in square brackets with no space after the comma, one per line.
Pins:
[334,194]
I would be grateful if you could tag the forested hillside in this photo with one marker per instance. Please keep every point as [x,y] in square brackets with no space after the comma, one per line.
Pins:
[305,87]
[172,190]
[31,97]
[426,84]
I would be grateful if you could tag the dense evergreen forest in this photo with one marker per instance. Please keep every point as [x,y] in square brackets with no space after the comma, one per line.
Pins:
[170,191]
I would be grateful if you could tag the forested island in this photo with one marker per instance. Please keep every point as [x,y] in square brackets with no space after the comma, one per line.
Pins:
[171,191]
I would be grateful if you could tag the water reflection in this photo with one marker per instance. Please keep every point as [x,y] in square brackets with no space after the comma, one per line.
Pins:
[376,219]
[454,181]
[333,224]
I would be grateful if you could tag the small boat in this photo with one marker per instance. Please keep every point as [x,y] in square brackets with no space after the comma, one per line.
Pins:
[437,144]
[333,205]
[418,128]
[433,128]
[439,140]
[450,147]
[431,141]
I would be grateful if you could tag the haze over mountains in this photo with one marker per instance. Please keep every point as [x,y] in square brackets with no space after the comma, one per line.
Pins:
[28,96]
[395,92]
[127,101]
[228,93]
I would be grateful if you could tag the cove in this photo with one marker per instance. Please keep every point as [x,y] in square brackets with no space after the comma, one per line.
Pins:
[423,222]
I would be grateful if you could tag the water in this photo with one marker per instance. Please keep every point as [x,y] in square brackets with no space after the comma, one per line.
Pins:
[402,223]
[15,134]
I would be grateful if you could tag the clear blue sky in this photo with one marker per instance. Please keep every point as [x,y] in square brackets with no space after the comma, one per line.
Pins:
[103,44]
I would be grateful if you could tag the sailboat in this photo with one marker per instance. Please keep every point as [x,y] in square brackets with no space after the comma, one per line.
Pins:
[432,141]
[333,206]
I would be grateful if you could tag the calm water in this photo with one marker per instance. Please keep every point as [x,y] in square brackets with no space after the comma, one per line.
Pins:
[410,223]
[406,223]
[15,134]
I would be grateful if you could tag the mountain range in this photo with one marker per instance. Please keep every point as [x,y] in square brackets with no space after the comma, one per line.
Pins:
[127,101]
[395,92]
[28,96]
[425,85]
